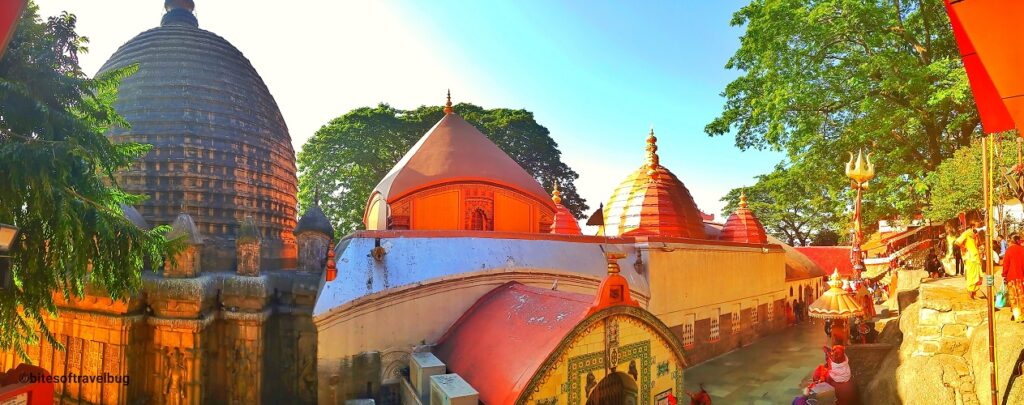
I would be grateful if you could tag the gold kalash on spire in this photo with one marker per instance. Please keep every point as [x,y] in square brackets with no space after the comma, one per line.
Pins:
[448,105]
[652,155]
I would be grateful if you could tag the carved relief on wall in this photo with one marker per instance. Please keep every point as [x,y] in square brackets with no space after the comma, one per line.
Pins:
[307,367]
[176,375]
[249,259]
[392,362]
[313,251]
[243,373]
[479,214]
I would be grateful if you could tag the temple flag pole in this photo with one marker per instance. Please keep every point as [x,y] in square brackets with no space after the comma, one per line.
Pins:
[986,151]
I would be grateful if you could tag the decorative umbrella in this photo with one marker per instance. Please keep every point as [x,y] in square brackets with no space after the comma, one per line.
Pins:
[835,303]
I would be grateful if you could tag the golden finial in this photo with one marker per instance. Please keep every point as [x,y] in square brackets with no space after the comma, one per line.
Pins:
[652,155]
[448,105]
[556,195]
[743,198]
[613,261]
[834,281]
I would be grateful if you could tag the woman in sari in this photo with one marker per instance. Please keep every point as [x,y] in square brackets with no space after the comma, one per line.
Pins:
[1013,276]
[972,257]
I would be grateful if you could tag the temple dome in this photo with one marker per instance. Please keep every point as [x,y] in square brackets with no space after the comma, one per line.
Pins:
[743,226]
[314,220]
[220,144]
[455,151]
[652,202]
[454,178]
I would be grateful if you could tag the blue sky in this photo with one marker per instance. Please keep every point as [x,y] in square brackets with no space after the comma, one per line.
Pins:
[597,74]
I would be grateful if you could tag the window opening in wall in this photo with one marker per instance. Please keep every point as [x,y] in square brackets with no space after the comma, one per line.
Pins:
[771,310]
[753,314]
[688,331]
[736,319]
[715,315]
[478,222]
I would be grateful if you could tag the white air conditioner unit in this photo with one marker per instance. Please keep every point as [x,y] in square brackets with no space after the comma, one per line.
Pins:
[422,366]
[450,389]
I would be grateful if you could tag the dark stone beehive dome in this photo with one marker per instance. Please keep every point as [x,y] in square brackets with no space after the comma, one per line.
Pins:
[221,150]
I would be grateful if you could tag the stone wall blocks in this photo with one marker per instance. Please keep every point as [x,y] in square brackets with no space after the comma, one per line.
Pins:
[971,318]
[954,329]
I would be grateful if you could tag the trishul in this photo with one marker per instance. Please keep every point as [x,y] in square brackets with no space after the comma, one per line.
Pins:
[860,169]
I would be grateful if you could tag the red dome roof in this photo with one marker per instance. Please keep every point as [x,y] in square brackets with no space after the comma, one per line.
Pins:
[455,151]
[743,226]
[564,223]
[652,201]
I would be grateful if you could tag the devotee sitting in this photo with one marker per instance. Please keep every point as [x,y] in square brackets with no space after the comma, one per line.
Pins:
[840,377]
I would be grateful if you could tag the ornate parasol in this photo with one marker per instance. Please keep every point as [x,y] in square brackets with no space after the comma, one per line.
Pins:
[835,303]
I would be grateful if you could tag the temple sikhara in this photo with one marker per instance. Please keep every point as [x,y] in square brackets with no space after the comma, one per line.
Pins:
[471,281]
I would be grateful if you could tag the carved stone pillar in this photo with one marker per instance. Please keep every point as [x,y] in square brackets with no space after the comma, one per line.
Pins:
[247,244]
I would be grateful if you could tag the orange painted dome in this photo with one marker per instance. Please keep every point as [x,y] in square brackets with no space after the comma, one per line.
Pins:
[564,223]
[455,151]
[743,226]
[653,202]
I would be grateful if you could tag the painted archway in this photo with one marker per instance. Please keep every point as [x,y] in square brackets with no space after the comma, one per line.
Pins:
[617,388]
[623,340]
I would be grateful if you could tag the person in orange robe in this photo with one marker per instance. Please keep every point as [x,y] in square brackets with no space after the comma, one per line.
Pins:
[1013,276]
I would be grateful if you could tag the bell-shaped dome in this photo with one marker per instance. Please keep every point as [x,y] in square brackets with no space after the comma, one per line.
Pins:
[564,222]
[743,226]
[652,202]
[314,220]
[220,144]
[455,151]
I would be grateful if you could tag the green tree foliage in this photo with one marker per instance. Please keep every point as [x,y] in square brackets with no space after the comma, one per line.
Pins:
[824,77]
[790,209]
[346,158]
[57,180]
[955,185]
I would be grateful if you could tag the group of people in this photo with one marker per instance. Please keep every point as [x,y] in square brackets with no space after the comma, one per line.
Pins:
[796,312]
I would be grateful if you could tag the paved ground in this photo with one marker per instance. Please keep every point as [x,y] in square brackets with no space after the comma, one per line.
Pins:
[770,371]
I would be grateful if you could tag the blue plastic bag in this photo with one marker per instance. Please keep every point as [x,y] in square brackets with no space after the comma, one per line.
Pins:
[1000,301]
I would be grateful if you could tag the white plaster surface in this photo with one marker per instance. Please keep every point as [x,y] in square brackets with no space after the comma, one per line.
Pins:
[418,260]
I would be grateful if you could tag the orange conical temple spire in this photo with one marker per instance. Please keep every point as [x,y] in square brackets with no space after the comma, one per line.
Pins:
[448,105]
[652,155]
[556,195]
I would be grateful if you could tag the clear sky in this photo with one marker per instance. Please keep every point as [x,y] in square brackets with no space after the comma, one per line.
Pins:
[597,74]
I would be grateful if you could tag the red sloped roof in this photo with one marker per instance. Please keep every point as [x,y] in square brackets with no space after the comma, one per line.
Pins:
[498,345]
[455,151]
[830,258]
[743,227]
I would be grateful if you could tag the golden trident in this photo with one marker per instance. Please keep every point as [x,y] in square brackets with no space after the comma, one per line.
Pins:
[860,169]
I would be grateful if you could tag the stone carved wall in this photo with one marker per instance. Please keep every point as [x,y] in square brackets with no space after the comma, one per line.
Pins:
[313,251]
[249,259]
[185,264]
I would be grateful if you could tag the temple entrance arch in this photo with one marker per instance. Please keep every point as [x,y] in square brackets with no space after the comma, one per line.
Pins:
[614,389]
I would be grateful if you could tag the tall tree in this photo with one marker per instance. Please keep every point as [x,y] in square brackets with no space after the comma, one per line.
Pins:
[790,209]
[346,158]
[822,77]
[956,185]
[58,183]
